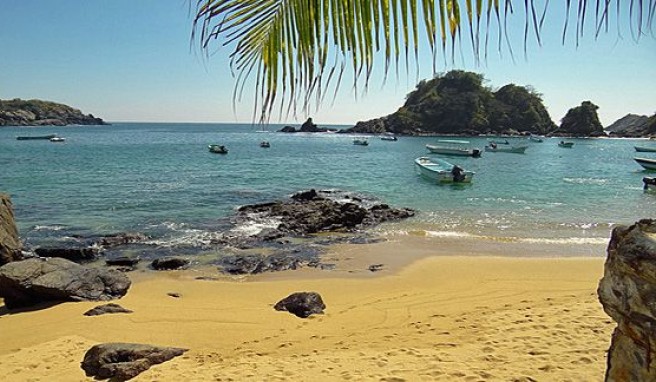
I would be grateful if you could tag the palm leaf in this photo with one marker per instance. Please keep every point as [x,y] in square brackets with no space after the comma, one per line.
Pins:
[297,50]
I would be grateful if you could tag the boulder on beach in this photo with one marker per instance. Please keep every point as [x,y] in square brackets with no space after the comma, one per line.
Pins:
[169,263]
[123,361]
[10,244]
[37,280]
[106,309]
[78,255]
[628,295]
[302,304]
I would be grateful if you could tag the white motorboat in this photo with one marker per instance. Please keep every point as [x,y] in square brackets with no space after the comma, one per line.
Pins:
[442,171]
[648,164]
[454,147]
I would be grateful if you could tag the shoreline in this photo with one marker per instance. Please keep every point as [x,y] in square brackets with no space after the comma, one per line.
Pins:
[469,315]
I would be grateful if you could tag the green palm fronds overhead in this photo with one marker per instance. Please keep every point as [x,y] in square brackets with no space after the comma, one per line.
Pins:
[296,50]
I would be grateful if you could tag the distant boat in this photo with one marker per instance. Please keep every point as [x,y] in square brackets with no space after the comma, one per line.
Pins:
[648,164]
[265,144]
[643,149]
[389,137]
[31,137]
[505,149]
[57,139]
[454,147]
[442,171]
[650,183]
[565,144]
[499,142]
[535,138]
[218,149]
[361,142]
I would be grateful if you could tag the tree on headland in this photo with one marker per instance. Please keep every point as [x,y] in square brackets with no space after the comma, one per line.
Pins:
[582,121]
[298,49]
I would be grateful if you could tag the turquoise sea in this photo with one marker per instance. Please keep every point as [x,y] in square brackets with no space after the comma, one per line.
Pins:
[160,179]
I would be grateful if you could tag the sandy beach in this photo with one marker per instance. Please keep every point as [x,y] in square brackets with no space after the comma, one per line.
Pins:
[470,316]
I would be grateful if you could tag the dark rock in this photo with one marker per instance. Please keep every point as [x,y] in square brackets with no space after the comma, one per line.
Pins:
[10,244]
[122,239]
[123,261]
[288,129]
[106,309]
[305,195]
[174,294]
[123,361]
[73,254]
[32,281]
[18,112]
[254,264]
[169,263]
[376,267]
[627,293]
[309,127]
[302,304]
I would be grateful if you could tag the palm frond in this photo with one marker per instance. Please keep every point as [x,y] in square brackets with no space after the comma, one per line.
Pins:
[296,50]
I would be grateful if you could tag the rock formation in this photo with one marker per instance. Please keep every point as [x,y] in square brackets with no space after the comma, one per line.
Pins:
[18,112]
[106,309]
[302,304]
[632,125]
[37,280]
[628,294]
[10,244]
[123,361]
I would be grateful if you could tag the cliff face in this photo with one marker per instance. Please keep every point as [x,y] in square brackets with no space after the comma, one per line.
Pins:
[632,125]
[628,294]
[19,112]
[10,244]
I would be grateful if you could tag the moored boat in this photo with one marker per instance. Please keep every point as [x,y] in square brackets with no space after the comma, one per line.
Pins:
[454,147]
[535,138]
[492,147]
[360,142]
[648,164]
[265,144]
[644,149]
[32,137]
[389,137]
[57,139]
[442,171]
[650,183]
[565,144]
[218,149]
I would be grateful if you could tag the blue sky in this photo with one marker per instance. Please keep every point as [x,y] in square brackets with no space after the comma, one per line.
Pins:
[132,60]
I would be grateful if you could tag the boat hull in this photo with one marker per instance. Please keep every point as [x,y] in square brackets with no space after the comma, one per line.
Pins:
[441,172]
[34,137]
[506,149]
[642,149]
[648,164]
[454,151]
[567,145]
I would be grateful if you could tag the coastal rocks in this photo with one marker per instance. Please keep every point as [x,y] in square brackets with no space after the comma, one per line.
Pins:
[628,295]
[10,244]
[18,112]
[313,211]
[122,238]
[77,255]
[254,264]
[169,263]
[106,309]
[123,361]
[123,261]
[32,281]
[301,304]
[288,129]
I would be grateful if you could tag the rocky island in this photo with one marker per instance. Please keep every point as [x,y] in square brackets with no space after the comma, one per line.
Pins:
[18,112]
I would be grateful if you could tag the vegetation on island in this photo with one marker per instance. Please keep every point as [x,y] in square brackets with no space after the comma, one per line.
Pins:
[457,102]
[18,112]
[632,125]
[582,121]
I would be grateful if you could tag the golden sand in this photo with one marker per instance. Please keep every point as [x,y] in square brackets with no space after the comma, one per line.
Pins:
[444,318]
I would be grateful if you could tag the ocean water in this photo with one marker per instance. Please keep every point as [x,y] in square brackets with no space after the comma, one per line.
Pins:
[160,179]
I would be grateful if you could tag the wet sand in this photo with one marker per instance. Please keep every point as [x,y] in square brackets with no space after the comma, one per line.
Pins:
[469,316]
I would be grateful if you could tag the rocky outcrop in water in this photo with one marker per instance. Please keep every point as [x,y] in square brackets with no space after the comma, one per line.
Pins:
[123,361]
[628,294]
[10,244]
[32,281]
[18,112]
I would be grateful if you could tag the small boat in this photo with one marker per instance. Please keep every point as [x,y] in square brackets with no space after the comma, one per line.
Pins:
[499,142]
[492,147]
[565,144]
[361,142]
[648,164]
[535,138]
[32,137]
[644,149]
[218,149]
[650,183]
[389,137]
[442,171]
[454,147]
[265,144]
[57,139]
